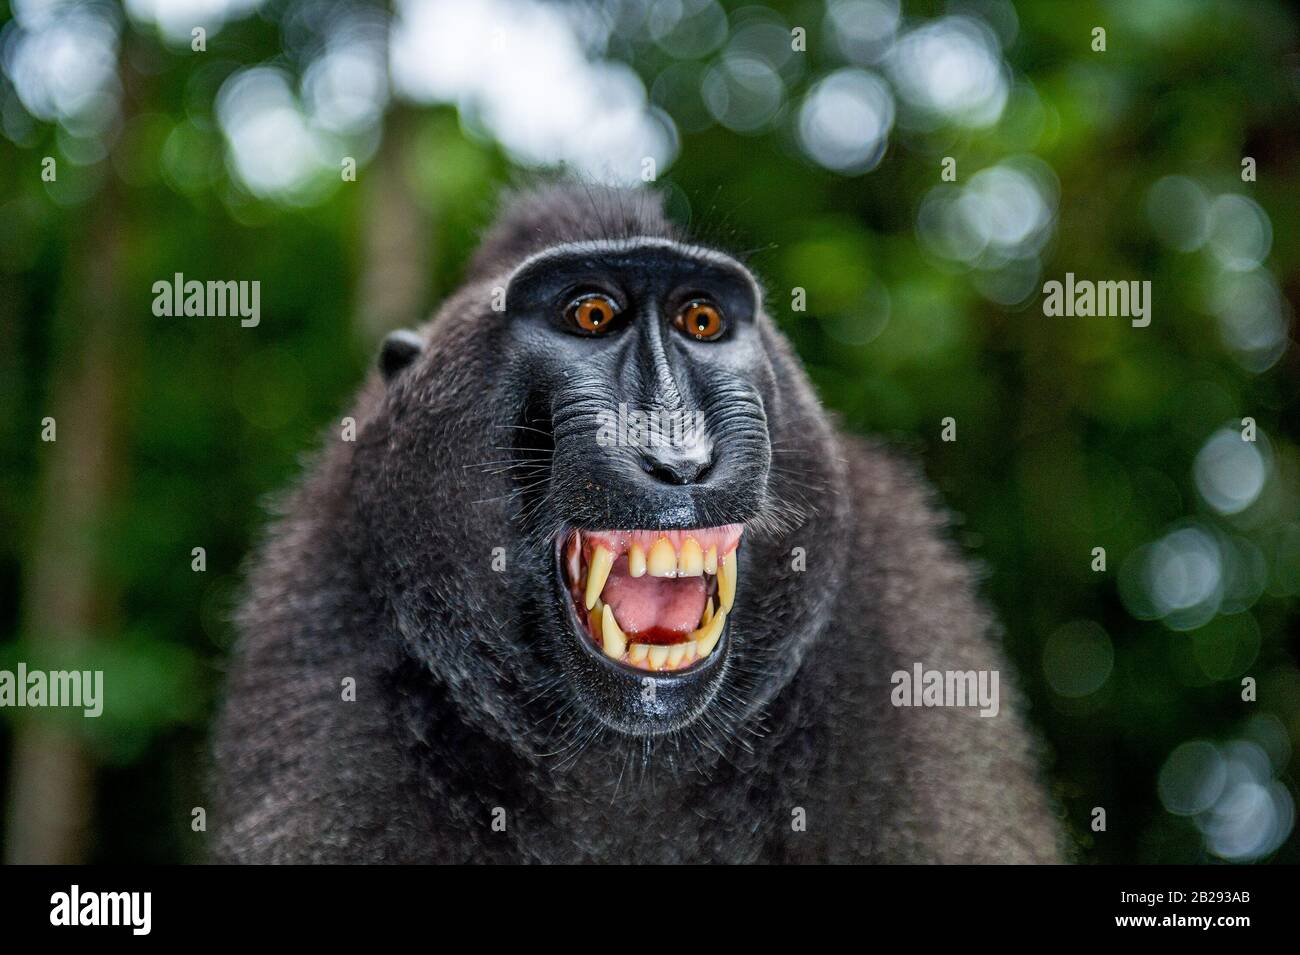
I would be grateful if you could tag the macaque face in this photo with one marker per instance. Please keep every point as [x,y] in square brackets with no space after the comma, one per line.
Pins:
[650,383]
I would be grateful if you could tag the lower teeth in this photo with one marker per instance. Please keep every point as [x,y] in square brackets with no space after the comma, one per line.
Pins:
[672,656]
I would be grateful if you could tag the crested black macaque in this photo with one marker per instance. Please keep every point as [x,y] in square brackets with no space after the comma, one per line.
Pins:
[600,580]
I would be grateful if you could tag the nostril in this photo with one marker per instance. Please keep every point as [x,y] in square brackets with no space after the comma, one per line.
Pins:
[676,470]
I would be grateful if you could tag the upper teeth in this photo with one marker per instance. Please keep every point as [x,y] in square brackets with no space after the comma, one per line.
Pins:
[690,559]
[727,581]
[601,562]
[662,561]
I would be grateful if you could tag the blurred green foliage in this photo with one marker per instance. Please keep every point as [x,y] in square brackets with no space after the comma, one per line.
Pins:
[1072,433]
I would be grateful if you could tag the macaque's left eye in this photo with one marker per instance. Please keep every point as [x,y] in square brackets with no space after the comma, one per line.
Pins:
[700,319]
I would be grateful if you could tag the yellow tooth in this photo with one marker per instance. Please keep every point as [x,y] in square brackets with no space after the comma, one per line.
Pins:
[614,641]
[662,561]
[658,657]
[726,582]
[712,632]
[639,652]
[636,561]
[571,553]
[597,573]
[594,616]
[708,613]
[690,559]
[703,628]
[711,560]
[675,654]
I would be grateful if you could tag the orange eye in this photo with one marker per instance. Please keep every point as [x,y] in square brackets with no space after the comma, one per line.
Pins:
[700,320]
[592,313]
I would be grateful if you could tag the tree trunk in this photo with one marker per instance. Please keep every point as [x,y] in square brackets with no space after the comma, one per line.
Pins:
[396,236]
[51,776]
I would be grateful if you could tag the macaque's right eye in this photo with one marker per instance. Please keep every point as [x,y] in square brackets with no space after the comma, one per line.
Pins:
[592,314]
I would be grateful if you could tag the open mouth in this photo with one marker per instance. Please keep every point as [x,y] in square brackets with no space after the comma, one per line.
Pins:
[653,600]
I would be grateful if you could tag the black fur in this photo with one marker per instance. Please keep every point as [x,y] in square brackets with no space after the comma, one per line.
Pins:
[468,698]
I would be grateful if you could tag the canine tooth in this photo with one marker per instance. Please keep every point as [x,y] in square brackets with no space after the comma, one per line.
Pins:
[639,652]
[711,559]
[662,561]
[702,629]
[614,641]
[708,613]
[690,559]
[675,654]
[601,561]
[726,582]
[595,618]
[712,632]
[636,561]
[658,657]
[571,552]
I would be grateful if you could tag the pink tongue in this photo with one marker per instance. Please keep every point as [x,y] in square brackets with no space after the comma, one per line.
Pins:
[648,603]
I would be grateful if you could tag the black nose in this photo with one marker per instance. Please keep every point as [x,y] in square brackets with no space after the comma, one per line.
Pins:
[676,466]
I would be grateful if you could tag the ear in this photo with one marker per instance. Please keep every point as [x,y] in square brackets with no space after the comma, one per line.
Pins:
[400,348]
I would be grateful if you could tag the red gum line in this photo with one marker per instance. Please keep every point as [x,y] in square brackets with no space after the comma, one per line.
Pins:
[619,542]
